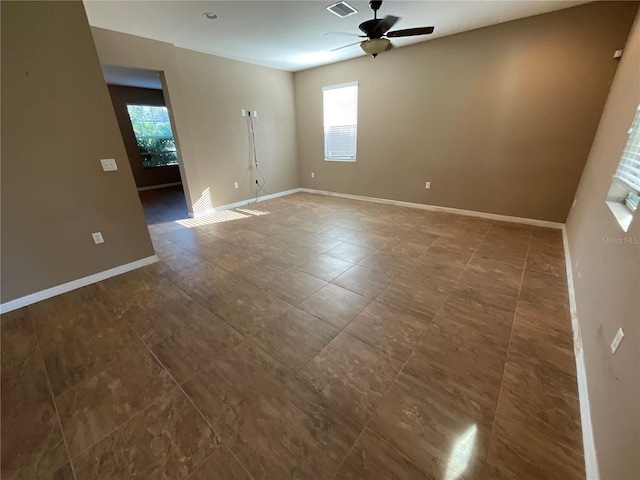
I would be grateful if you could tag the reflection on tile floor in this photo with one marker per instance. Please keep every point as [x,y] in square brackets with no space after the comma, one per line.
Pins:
[307,337]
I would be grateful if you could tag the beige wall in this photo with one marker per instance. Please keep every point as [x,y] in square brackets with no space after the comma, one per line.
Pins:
[57,123]
[499,119]
[205,95]
[215,90]
[607,283]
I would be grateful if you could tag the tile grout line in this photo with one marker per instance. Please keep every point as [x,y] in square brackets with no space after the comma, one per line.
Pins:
[179,387]
[342,330]
[100,372]
[402,369]
[53,399]
[506,360]
[154,402]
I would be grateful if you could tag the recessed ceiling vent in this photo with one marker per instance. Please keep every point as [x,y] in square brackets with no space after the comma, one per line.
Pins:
[342,9]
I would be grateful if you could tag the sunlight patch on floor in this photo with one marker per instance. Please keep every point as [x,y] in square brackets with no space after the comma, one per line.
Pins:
[461,453]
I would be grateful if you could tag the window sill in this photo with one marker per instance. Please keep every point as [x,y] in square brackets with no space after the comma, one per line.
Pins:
[623,215]
[348,160]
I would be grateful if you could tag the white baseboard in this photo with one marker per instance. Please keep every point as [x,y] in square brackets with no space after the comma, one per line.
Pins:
[588,441]
[242,203]
[75,284]
[435,208]
[162,185]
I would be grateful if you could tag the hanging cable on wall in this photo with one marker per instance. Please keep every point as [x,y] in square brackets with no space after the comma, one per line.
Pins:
[259,185]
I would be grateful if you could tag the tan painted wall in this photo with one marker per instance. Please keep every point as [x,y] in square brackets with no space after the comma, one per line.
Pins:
[205,95]
[215,90]
[499,119]
[606,278]
[57,122]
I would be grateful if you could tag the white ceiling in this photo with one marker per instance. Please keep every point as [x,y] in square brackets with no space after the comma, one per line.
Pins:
[292,35]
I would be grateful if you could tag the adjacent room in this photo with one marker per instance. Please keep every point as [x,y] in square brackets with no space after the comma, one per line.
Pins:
[375,240]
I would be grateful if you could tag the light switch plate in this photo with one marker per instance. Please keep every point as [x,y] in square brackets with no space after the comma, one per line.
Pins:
[109,164]
[616,340]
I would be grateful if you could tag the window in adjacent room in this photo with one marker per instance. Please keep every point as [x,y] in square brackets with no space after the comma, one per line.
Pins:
[625,187]
[152,129]
[340,106]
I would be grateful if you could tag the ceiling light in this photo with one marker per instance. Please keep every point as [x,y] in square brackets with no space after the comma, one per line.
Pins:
[342,9]
[209,15]
[375,46]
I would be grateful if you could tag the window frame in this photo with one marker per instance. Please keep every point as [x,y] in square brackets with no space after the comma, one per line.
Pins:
[340,158]
[625,186]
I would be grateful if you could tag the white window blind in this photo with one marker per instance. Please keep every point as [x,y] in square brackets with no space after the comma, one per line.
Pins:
[628,171]
[340,106]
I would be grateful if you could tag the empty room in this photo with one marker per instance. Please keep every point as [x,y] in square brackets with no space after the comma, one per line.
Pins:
[319,240]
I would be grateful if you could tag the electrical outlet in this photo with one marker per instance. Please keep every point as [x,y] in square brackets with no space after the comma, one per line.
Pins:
[255,113]
[616,340]
[427,185]
[313,175]
[243,112]
[109,164]
[97,238]
[235,184]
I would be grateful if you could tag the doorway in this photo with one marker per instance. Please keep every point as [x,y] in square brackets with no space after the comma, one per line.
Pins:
[145,125]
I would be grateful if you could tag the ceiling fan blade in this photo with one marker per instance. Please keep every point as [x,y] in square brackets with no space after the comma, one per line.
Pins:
[376,27]
[410,32]
[345,46]
[387,22]
[345,34]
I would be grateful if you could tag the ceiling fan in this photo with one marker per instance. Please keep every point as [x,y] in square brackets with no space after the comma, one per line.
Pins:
[377,34]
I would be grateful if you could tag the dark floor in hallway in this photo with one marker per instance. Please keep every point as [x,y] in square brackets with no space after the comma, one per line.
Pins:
[163,204]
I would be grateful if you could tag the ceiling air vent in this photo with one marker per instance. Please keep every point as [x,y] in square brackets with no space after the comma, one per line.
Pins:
[342,9]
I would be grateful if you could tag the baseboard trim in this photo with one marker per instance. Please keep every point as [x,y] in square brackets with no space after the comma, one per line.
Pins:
[242,203]
[75,284]
[588,441]
[162,185]
[436,208]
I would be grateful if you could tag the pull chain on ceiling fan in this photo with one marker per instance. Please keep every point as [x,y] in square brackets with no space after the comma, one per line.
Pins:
[377,34]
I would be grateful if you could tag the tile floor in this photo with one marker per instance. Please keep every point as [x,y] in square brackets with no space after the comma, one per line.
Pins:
[304,337]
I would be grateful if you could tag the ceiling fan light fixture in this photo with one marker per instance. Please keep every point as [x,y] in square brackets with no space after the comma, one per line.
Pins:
[374,46]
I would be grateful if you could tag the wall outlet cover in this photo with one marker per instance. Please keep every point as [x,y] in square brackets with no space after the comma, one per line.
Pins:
[97,238]
[109,164]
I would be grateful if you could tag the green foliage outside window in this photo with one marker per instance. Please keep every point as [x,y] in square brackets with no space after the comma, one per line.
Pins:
[152,129]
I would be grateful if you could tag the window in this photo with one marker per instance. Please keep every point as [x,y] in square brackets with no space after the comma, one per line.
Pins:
[625,188]
[152,129]
[340,104]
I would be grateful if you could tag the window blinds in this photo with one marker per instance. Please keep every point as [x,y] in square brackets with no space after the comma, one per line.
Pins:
[629,167]
[340,104]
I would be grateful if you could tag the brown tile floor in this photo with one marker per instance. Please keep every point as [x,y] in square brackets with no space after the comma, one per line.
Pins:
[308,337]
